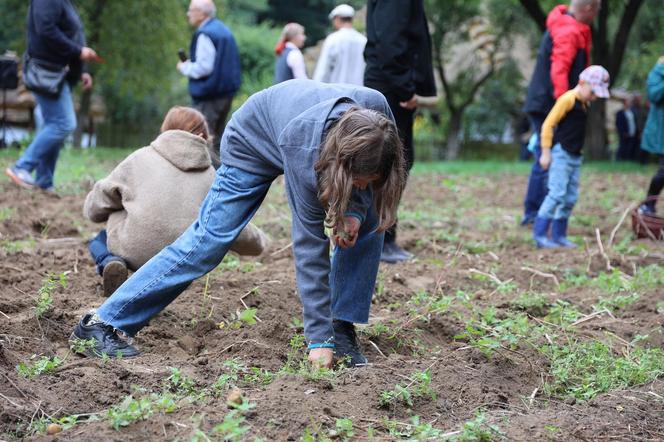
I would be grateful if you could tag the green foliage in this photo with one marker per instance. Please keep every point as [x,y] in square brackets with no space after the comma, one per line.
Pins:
[419,386]
[12,247]
[81,346]
[478,430]
[586,369]
[40,366]
[131,410]
[6,213]
[618,302]
[533,303]
[563,313]
[180,383]
[44,299]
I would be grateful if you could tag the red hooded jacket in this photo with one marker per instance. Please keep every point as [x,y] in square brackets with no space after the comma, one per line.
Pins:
[569,36]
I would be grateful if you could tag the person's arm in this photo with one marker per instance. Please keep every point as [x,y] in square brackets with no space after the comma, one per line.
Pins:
[107,194]
[562,56]
[295,61]
[563,105]
[45,14]
[655,84]
[205,55]
[325,63]
[392,45]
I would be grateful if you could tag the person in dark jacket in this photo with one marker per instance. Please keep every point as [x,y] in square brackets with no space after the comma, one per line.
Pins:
[55,35]
[213,70]
[342,160]
[564,52]
[626,127]
[398,57]
[653,135]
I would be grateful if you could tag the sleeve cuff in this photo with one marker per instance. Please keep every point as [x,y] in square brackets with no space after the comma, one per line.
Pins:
[355,215]
[321,345]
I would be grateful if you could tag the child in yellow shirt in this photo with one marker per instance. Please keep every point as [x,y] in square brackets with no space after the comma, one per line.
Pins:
[564,129]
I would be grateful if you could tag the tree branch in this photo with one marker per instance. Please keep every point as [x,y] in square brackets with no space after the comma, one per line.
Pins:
[440,67]
[534,9]
[622,36]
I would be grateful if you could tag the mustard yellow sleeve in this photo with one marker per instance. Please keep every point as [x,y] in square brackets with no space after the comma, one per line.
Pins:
[563,105]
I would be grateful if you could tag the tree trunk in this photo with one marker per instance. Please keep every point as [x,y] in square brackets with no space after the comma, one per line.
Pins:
[453,144]
[596,145]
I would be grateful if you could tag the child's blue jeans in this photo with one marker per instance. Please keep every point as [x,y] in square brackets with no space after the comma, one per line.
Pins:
[99,251]
[232,201]
[564,174]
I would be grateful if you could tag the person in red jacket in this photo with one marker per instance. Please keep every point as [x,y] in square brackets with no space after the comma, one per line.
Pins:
[563,54]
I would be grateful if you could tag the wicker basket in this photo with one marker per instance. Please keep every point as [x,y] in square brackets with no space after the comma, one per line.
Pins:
[647,226]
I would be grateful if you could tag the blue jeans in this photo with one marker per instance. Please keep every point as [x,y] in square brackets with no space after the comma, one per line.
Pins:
[537,181]
[59,121]
[564,174]
[99,251]
[232,201]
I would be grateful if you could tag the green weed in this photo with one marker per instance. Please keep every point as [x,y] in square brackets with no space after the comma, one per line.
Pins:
[13,247]
[44,299]
[180,383]
[586,369]
[419,386]
[6,213]
[563,313]
[233,427]
[614,303]
[40,366]
[533,303]
[131,410]
[478,430]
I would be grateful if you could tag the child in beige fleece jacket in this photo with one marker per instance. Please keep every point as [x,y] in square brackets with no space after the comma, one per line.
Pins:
[152,196]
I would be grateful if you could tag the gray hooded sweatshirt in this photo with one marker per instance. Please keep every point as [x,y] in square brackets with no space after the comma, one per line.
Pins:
[280,130]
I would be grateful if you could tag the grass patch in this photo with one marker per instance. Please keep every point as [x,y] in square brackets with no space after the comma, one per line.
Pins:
[585,369]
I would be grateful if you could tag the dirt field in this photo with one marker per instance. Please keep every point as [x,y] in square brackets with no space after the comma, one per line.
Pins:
[481,337]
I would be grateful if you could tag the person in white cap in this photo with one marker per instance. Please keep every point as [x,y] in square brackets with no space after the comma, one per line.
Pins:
[342,57]
[565,129]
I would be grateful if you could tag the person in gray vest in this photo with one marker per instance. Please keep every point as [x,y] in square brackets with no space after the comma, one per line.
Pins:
[342,56]
[213,70]
[339,151]
[290,61]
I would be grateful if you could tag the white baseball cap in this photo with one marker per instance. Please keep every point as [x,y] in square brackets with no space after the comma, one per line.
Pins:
[343,10]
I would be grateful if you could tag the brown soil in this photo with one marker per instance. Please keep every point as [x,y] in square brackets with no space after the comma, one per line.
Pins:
[451,225]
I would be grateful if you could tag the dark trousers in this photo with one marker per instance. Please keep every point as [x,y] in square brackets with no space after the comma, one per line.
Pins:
[404,120]
[657,182]
[538,179]
[99,251]
[215,111]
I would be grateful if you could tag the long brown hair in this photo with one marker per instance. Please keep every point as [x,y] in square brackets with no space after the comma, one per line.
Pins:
[187,119]
[362,143]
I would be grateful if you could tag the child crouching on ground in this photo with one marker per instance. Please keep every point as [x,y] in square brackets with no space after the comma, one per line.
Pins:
[564,129]
[152,196]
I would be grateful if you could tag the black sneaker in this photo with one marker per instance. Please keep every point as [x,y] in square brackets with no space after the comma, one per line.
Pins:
[346,346]
[114,274]
[107,340]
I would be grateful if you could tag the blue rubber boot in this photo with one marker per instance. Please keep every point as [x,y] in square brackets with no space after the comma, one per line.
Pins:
[540,234]
[559,233]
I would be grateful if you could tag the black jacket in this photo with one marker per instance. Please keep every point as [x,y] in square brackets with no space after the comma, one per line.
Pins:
[55,34]
[398,50]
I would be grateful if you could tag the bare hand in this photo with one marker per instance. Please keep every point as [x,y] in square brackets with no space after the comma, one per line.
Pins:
[545,159]
[321,357]
[86,81]
[88,54]
[345,235]
[410,104]
[179,65]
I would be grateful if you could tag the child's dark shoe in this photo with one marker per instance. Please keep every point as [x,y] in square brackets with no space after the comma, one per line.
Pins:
[393,254]
[346,346]
[106,340]
[541,234]
[114,274]
[559,233]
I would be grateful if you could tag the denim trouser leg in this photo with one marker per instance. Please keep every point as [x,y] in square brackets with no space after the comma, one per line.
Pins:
[564,174]
[59,122]
[537,181]
[353,273]
[232,201]
[99,251]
